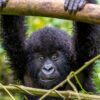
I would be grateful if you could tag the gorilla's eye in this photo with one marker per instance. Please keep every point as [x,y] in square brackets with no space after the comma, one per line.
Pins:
[54,57]
[41,58]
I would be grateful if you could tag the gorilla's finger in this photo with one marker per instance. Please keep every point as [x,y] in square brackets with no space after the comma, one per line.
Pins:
[66,4]
[75,7]
[4,2]
[70,6]
[82,4]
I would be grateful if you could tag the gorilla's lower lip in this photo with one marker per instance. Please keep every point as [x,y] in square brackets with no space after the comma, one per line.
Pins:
[47,79]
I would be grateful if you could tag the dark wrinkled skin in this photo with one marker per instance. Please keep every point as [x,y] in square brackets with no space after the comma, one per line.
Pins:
[74,5]
[49,55]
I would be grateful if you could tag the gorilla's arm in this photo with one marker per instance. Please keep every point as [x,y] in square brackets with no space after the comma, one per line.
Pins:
[86,40]
[13,41]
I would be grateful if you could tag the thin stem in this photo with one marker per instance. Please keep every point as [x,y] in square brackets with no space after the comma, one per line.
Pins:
[7,91]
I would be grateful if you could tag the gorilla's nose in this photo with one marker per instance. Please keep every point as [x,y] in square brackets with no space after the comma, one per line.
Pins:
[48,69]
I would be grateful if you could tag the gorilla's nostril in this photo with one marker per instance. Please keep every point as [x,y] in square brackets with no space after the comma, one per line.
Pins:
[48,68]
[51,68]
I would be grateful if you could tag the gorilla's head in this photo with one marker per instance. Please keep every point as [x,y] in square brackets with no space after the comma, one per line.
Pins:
[49,57]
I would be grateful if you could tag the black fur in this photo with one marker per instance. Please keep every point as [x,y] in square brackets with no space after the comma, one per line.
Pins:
[77,50]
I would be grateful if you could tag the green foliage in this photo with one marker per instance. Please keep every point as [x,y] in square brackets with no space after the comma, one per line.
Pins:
[98,1]
[97,76]
[5,71]
[17,97]
[35,23]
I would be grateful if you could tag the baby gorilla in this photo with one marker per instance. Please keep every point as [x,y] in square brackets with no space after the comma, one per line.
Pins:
[49,55]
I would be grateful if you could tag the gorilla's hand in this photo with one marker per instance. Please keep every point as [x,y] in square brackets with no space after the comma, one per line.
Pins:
[2,3]
[74,5]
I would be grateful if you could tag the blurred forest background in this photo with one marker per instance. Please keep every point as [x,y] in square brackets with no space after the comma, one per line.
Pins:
[33,24]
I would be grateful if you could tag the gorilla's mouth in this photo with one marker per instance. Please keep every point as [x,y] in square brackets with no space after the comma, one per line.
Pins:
[47,83]
[47,79]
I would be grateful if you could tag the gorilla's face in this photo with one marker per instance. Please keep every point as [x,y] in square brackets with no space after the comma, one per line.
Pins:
[48,69]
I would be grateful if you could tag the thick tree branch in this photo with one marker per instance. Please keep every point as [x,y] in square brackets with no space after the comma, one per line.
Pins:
[39,92]
[51,8]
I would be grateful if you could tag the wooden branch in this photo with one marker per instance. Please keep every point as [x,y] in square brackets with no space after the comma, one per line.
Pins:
[39,92]
[51,8]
